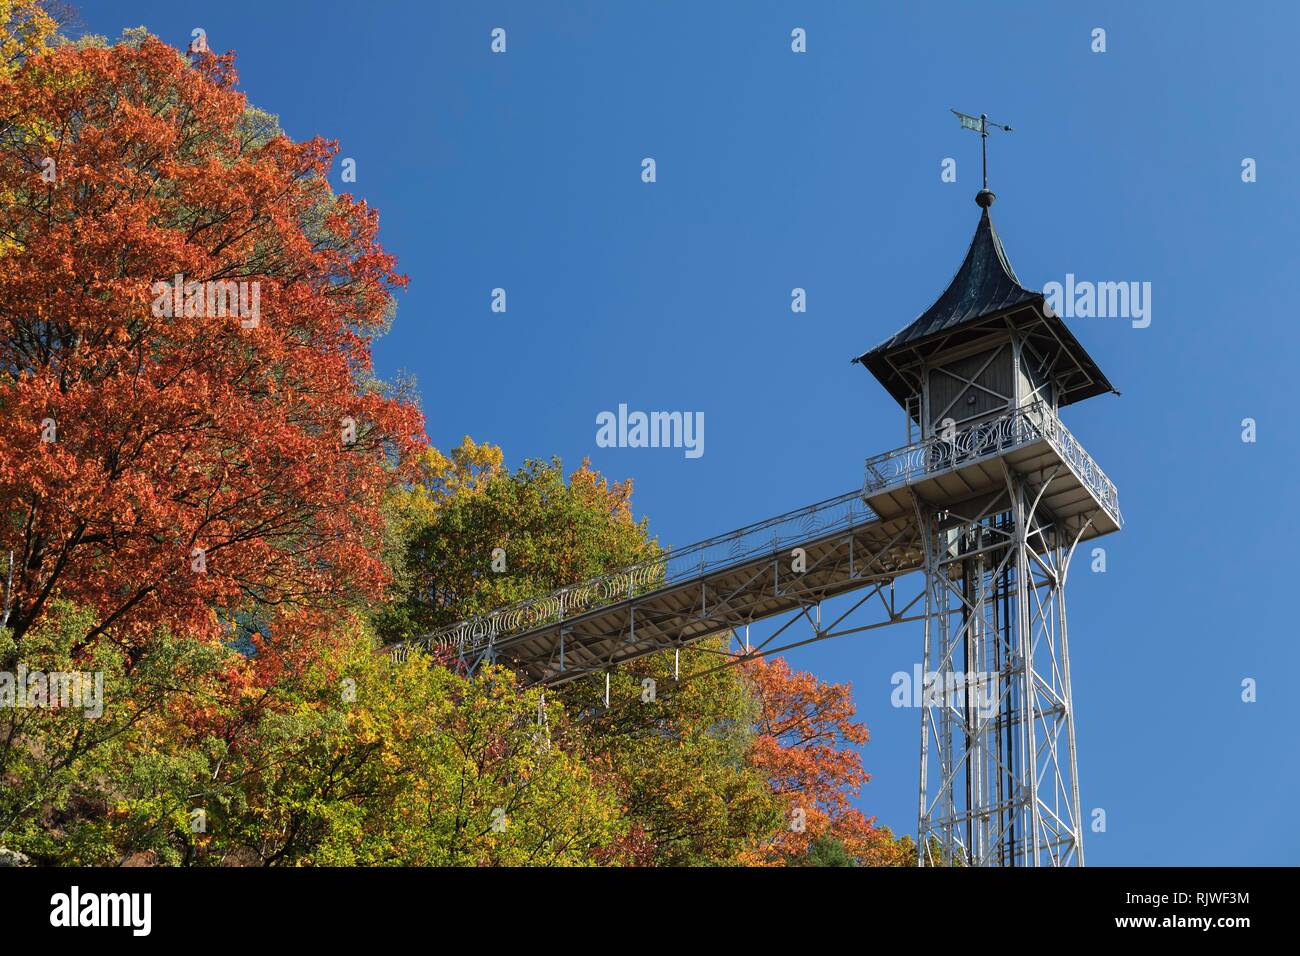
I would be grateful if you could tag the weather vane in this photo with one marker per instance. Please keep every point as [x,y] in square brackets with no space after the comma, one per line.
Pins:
[981,124]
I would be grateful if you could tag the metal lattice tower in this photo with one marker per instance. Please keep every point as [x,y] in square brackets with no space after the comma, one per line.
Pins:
[968,528]
[1002,496]
[999,782]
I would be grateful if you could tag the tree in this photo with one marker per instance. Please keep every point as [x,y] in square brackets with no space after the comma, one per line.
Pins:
[81,788]
[179,465]
[182,453]
[807,747]
[682,758]
[26,29]
[825,851]
[368,762]
[200,758]
[474,537]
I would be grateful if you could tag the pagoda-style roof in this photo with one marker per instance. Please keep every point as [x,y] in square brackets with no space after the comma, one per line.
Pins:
[985,296]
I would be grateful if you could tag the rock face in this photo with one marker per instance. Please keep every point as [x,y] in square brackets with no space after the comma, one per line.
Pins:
[12,858]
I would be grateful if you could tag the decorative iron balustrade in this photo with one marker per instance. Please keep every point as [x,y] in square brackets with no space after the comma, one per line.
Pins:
[997,436]
[672,566]
[1068,447]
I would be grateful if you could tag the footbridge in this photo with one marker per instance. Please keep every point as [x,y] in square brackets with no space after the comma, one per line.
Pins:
[862,540]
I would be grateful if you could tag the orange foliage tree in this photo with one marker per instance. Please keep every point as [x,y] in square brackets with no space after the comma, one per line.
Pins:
[189,428]
[806,745]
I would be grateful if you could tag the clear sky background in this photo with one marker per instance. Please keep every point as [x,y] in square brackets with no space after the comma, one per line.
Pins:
[822,171]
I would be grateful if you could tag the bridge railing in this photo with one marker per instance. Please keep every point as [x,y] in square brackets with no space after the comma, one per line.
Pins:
[670,567]
[997,436]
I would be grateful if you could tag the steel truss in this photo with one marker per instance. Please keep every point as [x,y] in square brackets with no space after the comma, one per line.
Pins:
[998,783]
[883,603]
[863,560]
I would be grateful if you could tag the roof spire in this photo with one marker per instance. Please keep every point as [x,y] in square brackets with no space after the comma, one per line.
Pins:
[980,124]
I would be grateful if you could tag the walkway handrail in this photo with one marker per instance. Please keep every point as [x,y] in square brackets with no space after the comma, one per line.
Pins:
[670,567]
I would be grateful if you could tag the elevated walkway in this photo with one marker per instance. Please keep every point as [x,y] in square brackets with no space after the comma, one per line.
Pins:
[855,540]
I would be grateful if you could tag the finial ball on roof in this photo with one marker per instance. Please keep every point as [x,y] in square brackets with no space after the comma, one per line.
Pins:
[984,198]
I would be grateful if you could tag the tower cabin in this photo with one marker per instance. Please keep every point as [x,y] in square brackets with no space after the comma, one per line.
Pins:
[982,374]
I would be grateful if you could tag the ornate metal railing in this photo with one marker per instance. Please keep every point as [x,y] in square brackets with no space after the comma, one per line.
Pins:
[1068,447]
[987,439]
[670,567]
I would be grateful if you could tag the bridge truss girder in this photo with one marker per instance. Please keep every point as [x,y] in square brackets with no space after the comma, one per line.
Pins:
[868,557]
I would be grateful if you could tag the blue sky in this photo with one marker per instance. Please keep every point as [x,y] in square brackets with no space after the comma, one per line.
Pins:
[822,171]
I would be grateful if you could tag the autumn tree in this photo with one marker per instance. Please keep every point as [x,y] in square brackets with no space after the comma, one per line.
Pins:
[681,756]
[483,777]
[65,773]
[169,458]
[177,466]
[201,758]
[382,763]
[807,747]
[474,537]
[26,29]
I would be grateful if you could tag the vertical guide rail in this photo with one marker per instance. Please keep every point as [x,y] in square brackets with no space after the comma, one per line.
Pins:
[1028,784]
[924,845]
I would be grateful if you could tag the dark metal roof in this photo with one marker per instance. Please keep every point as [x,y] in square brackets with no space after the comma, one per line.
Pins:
[984,287]
[985,284]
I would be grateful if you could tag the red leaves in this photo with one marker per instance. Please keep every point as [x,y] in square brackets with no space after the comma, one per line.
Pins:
[182,432]
[807,746]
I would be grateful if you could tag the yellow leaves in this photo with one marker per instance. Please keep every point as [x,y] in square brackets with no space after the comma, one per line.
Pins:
[25,30]
[595,488]
[438,478]
[468,468]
